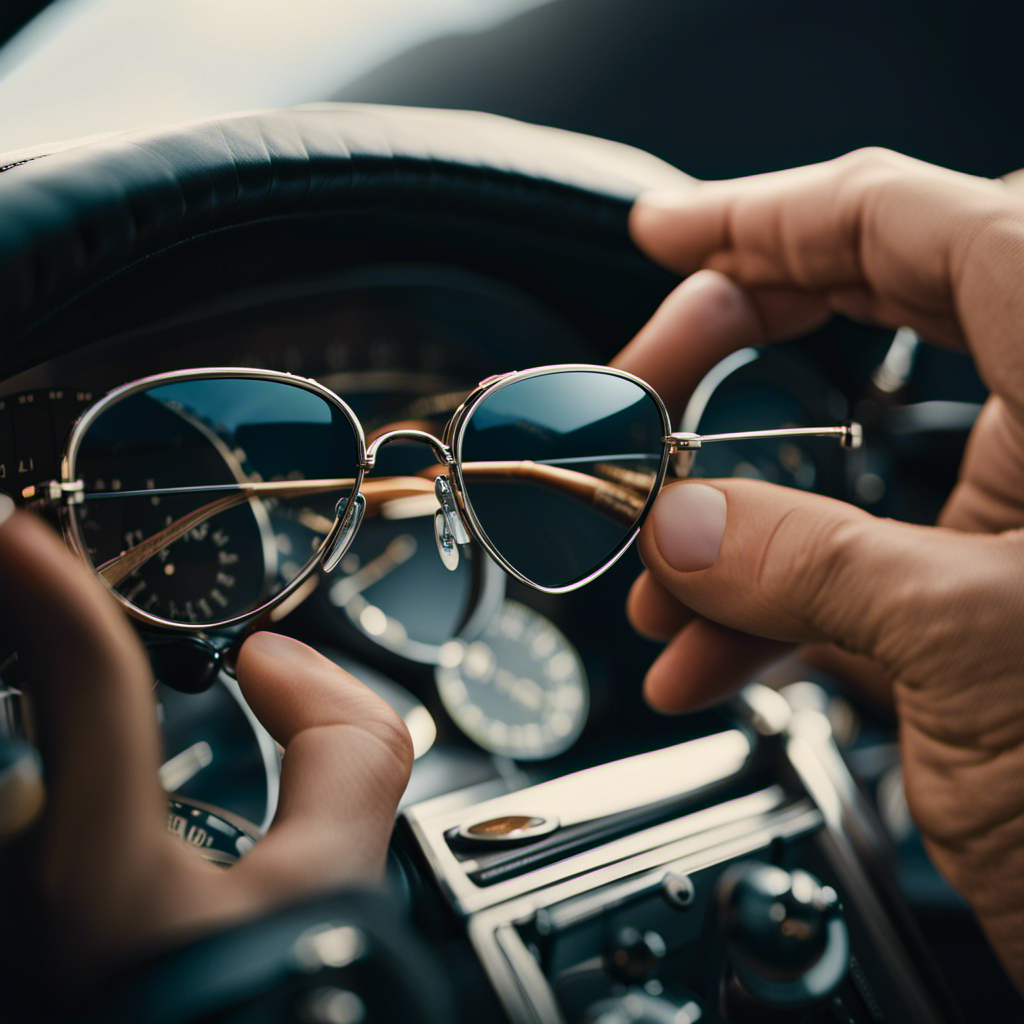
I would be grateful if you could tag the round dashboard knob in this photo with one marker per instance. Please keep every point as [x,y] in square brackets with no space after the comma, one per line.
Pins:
[638,1006]
[636,956]
[788,941]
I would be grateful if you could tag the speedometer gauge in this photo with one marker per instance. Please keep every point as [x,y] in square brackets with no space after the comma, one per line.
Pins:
[518,690]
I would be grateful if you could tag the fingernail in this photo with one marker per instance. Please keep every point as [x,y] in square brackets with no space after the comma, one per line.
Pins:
[284,648]
[688,522]
[6,508]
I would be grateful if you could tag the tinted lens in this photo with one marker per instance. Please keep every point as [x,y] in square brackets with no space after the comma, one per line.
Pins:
[558,468]
[169,517]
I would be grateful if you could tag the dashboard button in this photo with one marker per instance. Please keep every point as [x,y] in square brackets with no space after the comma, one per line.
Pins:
[636,956]
[508,829]
[678,890]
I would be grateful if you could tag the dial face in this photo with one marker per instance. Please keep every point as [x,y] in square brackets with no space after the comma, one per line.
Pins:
[210,572]
[519,689]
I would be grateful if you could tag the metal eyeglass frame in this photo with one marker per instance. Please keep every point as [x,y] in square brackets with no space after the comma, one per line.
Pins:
[455,521]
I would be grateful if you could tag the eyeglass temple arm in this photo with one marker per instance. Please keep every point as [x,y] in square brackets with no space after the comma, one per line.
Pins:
[849,435]
[376,493]
[613,498]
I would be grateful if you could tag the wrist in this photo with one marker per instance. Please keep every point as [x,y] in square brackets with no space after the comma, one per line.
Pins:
[992,885]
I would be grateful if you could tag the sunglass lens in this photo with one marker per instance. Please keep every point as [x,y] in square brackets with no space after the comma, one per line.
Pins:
[196,505]
[558,468]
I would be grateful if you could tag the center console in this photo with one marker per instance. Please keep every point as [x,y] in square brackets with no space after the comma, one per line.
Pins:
[734,878]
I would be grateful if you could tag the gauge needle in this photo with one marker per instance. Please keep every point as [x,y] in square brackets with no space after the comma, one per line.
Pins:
[183,767]
[397,553]
[314,521]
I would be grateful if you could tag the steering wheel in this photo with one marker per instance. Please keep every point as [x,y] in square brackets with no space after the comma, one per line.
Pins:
[112,232]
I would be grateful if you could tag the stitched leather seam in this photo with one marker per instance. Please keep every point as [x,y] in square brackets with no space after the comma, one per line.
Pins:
[18,163]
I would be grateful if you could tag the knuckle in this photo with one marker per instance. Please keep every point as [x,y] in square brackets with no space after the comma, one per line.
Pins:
[866,175]
[810,563]
[871,160]
[387,726]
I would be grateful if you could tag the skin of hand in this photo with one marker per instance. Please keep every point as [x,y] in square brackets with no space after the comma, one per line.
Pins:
[737,570]
[113,882]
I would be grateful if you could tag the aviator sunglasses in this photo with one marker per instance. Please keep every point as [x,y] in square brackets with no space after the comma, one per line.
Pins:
[174,488]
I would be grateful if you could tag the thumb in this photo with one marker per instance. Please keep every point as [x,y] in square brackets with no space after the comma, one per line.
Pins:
[788,566]
[347,758]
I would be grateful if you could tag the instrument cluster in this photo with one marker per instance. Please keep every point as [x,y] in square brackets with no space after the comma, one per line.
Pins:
[494,680]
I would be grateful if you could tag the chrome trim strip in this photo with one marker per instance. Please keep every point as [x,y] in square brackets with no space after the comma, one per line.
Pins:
[536,1001]
[819,765]
[631,783]
[517,977]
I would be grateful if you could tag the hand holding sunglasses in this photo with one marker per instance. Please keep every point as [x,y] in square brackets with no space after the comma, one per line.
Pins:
[171,484]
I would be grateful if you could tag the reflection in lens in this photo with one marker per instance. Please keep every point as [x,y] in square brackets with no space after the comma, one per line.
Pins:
[559,467]
[185,482]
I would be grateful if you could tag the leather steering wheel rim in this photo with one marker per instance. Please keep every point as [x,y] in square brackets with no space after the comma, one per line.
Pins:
[79,217]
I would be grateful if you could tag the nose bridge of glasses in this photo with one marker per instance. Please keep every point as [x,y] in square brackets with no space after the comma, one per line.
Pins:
[449,529]
[441,450]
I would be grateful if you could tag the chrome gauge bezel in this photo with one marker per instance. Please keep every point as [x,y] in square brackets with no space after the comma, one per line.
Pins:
[490,595]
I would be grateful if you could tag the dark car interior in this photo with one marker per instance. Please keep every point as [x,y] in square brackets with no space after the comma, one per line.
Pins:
[399,247]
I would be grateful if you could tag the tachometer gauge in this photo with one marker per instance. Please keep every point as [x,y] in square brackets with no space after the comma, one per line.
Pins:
[749,389]
[519,689]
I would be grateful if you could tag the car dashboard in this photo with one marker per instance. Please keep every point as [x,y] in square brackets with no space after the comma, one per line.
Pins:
[398,344]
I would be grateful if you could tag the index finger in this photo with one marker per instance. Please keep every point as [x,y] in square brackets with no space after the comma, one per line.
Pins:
[874,235]
[699,324]
[346,763]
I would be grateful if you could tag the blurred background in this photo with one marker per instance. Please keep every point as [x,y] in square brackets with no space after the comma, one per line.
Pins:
[717,87]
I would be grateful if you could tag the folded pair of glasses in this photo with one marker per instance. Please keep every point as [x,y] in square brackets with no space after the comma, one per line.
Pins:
[174,487]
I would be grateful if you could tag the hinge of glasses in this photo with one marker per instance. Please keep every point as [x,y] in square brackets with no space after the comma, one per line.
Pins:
[681,442]
[496,376]
[56,492]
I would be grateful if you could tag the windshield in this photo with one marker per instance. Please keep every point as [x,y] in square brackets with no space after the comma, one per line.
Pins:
[83,67]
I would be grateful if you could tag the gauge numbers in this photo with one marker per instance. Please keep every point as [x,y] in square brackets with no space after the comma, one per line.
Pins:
[519,690]
[214,570]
